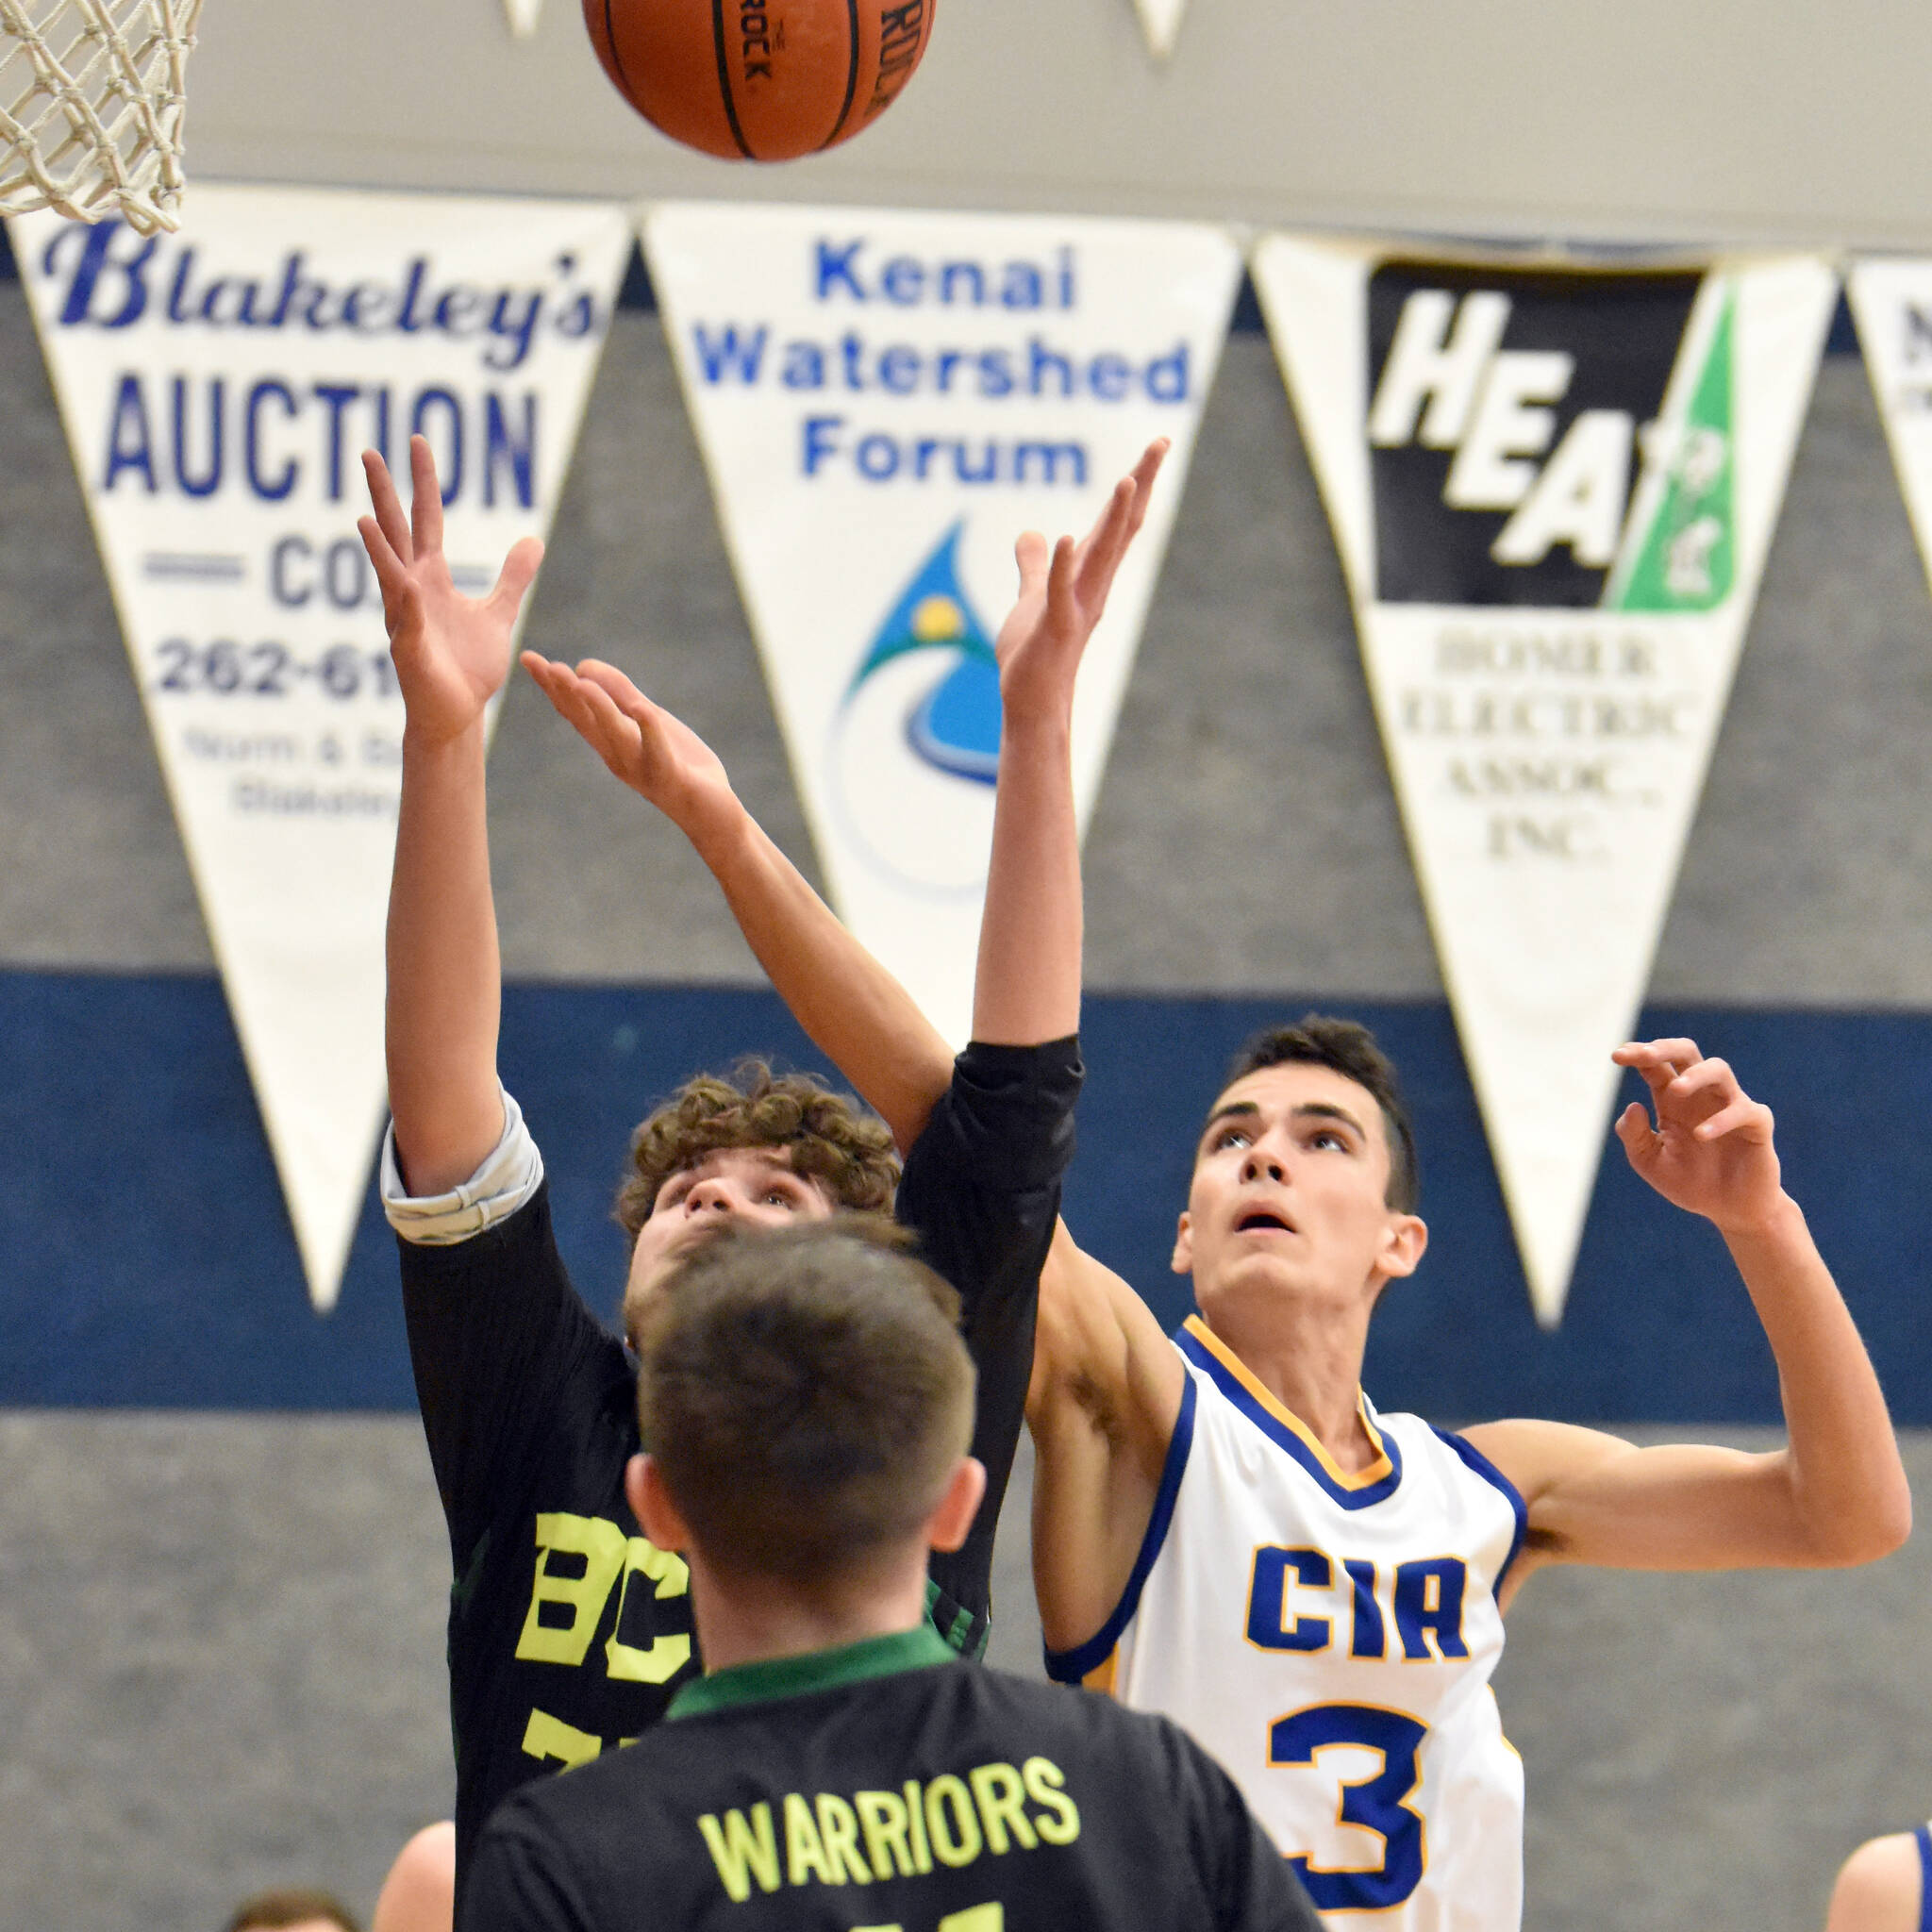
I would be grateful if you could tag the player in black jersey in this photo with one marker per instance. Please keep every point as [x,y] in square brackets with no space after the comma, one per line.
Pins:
[808,1405]
[568,1629]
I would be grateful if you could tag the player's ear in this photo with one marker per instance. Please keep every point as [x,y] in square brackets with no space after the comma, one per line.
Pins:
[1183,1261]
[1403,1242]
[650,1502]
[946,1527]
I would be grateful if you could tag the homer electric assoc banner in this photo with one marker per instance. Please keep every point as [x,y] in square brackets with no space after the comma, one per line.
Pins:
[1892,301]
[217,387]
[885,402]
[1553,493]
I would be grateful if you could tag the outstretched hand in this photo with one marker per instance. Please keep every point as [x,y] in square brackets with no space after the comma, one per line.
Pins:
[451,652]
[1710,1149]
[657,756]
[1062,597]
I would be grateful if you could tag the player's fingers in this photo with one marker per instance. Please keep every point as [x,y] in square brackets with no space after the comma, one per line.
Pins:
[1145,470]
[426,497]
[514,578]
[1062,605]
[608,678]
[387,507]
[1100,550]
[1712,1077]
[386,563]
[1634,1129]
[1748,1119]
[618,737]
[1030,553]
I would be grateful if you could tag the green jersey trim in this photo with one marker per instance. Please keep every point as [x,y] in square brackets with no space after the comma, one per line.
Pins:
[820,1669]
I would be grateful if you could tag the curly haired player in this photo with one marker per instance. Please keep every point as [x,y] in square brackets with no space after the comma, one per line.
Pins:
[570,1629]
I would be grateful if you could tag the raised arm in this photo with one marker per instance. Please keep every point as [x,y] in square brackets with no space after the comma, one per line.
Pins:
[450,653]
[1836,1493]
[1027,987]
[853,1010]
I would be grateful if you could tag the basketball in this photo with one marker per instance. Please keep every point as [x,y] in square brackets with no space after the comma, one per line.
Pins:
[759,80]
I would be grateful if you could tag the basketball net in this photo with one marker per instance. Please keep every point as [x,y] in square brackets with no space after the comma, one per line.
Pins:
[91,107]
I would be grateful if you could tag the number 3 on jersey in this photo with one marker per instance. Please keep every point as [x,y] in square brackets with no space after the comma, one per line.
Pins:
[1375,1804]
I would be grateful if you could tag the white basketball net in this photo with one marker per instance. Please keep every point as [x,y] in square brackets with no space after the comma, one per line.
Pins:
[90,104]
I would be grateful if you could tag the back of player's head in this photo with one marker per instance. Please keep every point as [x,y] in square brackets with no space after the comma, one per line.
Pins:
[827,1137]
[1350,1049]
[288,1906]
[805,1395]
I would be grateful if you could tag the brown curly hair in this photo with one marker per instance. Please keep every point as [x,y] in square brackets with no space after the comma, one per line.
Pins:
[830,1139]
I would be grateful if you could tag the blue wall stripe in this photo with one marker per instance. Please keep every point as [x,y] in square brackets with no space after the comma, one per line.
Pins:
[146,1260]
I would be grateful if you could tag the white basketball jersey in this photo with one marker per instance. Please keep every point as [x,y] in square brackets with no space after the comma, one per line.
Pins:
[1329,1638]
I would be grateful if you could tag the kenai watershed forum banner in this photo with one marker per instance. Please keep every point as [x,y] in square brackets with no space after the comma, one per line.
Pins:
[885,401]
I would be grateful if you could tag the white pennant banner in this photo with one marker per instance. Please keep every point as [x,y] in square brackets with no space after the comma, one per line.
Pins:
[1892,301]
[217,387]
[524,16]
[1161,20]
[885,402]
[1553,493]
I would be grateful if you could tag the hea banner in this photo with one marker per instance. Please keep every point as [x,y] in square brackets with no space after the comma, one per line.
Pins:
[217,386]
[1161,22]
[1553,493]
[1892,301]
[885,402]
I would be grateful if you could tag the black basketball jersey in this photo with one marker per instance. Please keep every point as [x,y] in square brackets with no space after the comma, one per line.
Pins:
[886,1783]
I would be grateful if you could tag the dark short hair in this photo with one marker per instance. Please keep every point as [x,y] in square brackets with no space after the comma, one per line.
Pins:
[291,1905]
[1321,1040]
[827,1137]
[804,1394]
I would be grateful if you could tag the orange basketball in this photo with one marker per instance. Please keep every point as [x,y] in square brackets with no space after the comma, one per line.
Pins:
[759,80]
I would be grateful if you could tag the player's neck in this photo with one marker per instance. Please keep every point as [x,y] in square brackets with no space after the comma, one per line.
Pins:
[1309,1358]
[744,1620]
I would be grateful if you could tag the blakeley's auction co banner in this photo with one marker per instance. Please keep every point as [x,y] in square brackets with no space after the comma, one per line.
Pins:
[1553,494]
[885,402]
[217,387]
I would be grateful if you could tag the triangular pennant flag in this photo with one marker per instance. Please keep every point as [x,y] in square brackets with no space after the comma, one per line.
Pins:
[1553,493]
[1892,302]
[523,16]
[1161,19]
[885,401]
[217,386]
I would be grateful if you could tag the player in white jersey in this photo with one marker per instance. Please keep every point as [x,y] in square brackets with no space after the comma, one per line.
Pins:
[1226,1531]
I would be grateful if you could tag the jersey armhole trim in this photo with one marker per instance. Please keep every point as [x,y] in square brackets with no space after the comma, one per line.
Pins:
[1481,1465]
[1924,1836]
[1071,1666]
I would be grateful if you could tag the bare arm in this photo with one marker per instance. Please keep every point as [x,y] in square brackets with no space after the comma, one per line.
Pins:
[450,653]
[1027,987]
[1836,1493]
[856,1014]
[1102,1405]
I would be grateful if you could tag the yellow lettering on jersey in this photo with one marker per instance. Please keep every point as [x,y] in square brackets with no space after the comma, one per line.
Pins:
[882,1814]
[743,1851]
[601,1545]
[1058,1821]
[956,1839]
[991,1918]
[915,1821]
[803,1852]
[670,1653]
[839,1832]
[1000,1791]
[548,1737]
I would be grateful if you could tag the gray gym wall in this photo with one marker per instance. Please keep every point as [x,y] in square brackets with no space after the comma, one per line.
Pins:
[221,1636]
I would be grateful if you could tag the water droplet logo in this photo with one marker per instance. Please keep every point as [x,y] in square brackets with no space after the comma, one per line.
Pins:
[916,742]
